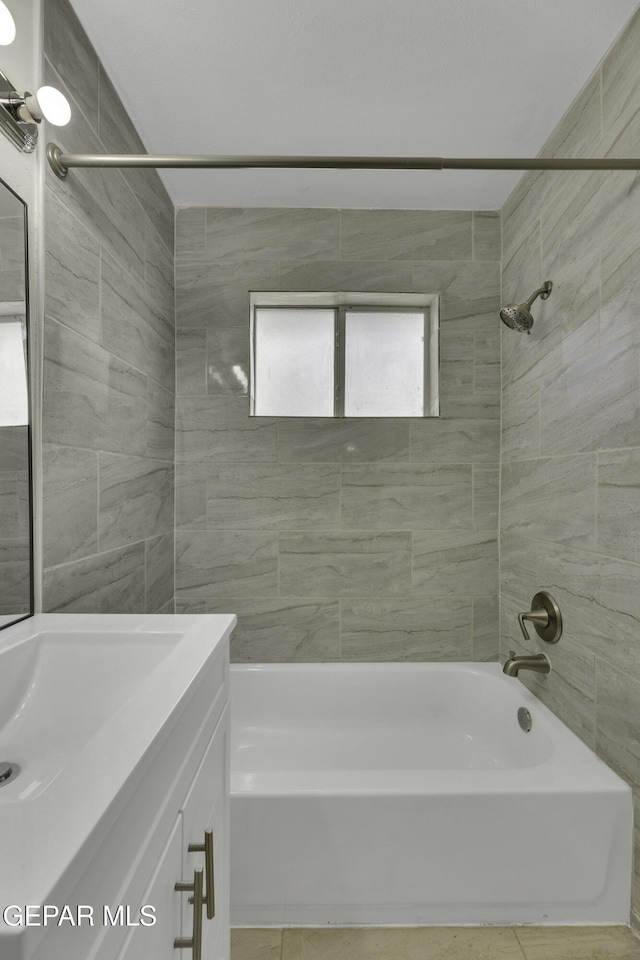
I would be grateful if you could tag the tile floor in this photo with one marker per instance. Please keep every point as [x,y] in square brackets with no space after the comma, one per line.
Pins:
[436,943]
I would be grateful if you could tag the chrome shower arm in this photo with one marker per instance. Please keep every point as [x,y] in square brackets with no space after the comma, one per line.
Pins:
[542,292]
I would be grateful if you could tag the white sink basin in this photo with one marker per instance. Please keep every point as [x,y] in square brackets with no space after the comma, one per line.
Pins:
[58,689]
[82,699]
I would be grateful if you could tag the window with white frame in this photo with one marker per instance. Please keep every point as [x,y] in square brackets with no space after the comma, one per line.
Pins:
[344,355]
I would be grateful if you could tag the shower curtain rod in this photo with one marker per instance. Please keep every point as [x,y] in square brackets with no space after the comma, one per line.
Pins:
[61,162]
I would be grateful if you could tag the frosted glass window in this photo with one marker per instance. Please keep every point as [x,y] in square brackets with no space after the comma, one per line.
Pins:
[293,362]
[384,363]
[14,397]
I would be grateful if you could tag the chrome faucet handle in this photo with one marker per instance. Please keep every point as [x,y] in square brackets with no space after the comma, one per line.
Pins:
[545,616]
[538,617]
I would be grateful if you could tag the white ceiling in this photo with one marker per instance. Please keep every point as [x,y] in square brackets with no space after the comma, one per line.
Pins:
[376,77]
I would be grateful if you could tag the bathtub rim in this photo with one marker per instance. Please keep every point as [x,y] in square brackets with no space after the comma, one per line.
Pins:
[573,766]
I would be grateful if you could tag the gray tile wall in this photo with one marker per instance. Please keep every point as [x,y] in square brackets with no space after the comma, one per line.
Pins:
[353,539]
[109,381]
[15,583]
[570,509]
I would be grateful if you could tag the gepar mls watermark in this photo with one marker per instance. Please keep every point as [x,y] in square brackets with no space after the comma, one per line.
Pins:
[78,915]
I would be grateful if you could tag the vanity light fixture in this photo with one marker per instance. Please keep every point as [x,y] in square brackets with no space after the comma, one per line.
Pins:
[20,113]
[47,104]
[7,26]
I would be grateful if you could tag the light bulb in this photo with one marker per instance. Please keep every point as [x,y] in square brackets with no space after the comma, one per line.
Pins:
[7,26]
[50,104]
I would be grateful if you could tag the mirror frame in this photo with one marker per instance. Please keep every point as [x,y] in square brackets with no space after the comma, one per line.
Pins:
[30,408]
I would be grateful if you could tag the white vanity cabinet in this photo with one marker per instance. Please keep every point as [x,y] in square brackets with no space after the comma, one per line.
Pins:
[136,802]
[157,941]
[205,810]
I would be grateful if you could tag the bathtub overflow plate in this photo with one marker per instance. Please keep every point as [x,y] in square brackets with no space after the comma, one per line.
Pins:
[524,719]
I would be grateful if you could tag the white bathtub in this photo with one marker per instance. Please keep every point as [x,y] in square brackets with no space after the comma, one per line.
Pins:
[409,794]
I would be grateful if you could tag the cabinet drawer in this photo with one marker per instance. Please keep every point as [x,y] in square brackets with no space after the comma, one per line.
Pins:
[156,942]
[207,808]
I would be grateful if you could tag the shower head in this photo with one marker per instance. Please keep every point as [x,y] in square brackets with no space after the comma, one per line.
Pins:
[517,316]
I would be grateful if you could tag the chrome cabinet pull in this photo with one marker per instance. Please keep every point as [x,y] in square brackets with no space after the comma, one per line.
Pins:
[195,941]
[207,849]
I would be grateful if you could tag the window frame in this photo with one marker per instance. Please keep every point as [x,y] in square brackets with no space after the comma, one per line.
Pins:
[342,303]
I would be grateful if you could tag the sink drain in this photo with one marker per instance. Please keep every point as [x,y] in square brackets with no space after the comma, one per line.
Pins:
[8,772]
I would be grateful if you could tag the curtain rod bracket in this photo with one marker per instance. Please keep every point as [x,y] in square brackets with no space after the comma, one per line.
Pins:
[53,156]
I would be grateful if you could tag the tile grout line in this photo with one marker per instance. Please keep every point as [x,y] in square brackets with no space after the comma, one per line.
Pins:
[519,942]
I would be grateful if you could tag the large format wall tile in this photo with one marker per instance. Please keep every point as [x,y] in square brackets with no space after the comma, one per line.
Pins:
[191,496]
[594,403]
[469,292]
[160,428]
[486,489]
[600,600]
[286,629]
[520,421]
[352,493]
[485,628]
[455,563]
[620,82]
[406,235]
[191,362]
[345,564]
[228,361]
[14,445]
[72,270]
[100,199]
[118,134]
[359,275]
[131,329]
[220,563]
[8,507]
[159,573]
[455,441]
[190,233]
[342,441]
[70,504]
[618,721]
[220,428]
[107,583]
[398,630]
[108,354]
[404,496]
[619,504]
[273,497]
[72,53]
[93,399]
[487,235]
[135,499]
[551,498]
[216,295]
[271,233]
[570,501]
[15,560]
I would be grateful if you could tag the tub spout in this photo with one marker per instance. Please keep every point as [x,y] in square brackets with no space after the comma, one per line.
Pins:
[538,662]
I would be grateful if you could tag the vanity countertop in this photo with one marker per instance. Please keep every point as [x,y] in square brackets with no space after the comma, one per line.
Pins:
[85,703]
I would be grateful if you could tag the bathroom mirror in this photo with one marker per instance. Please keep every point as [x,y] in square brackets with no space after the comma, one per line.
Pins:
[16,542]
